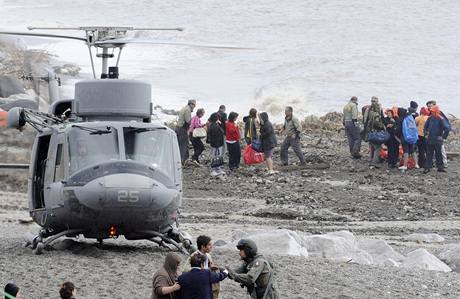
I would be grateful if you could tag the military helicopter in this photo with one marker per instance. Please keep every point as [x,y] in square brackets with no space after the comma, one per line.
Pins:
[101,165]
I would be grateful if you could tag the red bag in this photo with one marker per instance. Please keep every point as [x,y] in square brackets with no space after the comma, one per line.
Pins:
[410,163]
[250,156]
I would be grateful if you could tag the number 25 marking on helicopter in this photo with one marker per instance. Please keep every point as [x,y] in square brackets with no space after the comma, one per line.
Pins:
[128,196]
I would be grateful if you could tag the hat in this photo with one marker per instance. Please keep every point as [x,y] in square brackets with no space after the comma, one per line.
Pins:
[11,289]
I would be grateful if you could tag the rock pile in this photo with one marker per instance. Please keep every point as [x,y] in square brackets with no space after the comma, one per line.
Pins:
[342,247]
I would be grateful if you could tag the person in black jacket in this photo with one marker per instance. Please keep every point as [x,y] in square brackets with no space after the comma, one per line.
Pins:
[391,123]
[268,138]
[196,283]
[215,138]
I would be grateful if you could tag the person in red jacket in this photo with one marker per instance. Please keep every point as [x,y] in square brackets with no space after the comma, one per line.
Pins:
[233,141]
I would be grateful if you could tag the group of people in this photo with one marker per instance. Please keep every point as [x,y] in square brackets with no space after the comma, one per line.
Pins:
[201,276]
[404,137]
[198,276]
[67,291]
[224,135]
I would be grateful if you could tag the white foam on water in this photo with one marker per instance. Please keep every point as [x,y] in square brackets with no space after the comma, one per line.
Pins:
[313,55]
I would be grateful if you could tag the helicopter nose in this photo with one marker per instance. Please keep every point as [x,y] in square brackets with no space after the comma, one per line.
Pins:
[126,190]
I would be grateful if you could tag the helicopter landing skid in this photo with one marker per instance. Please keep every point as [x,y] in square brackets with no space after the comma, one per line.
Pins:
[172,240]
[39,242]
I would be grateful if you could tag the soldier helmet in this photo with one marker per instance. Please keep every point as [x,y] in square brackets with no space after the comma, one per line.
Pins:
[249,247]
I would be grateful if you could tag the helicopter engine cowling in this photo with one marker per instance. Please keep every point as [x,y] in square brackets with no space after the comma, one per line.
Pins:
[125,190]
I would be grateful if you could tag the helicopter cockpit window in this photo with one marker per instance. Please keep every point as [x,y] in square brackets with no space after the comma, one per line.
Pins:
[92,146]
[152,146]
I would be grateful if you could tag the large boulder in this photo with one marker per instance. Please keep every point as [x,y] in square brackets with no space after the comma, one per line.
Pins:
[425,238]
[422,259]
[272,242]
[337,248]
[381,252]
[452,257]
[282,242]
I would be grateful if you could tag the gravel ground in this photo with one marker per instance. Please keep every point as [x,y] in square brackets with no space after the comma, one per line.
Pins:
[332,193]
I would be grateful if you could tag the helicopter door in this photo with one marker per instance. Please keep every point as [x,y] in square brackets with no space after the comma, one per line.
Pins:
[38,178]
[54,173]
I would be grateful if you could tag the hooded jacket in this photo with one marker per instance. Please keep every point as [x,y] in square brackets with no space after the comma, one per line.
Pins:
[267,134]
[215,134]
[166,276]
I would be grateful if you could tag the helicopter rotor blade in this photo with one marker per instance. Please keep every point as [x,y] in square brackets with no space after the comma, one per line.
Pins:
[123,41]
[105,27]
[44,35]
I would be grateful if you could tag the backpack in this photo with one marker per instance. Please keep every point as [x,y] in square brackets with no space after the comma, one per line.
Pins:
[409,130]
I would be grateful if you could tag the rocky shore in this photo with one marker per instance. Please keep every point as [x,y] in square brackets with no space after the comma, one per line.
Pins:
[332,193]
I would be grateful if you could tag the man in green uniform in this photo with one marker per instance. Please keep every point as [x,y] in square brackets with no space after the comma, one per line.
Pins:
[256,273]
[291,130]
[183,124]
[350,122]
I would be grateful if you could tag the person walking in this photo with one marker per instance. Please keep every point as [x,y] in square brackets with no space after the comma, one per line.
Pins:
[164,280]
[250,128]
[233,142]
[215,138]
[198,146]
[256,273]
[183,124]
[436,131]
[291,129]
[350,122]
[196,283]
[420,121]
[268,139]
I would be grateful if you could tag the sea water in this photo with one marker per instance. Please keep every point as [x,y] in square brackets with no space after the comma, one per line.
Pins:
[310,54]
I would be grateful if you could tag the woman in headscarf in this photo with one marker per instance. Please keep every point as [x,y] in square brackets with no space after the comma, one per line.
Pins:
[164,280]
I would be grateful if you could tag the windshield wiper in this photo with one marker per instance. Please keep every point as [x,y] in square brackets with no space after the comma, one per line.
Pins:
[94,131]
[141,130]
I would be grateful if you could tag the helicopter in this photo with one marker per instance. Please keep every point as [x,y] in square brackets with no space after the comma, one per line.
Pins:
[101,166]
